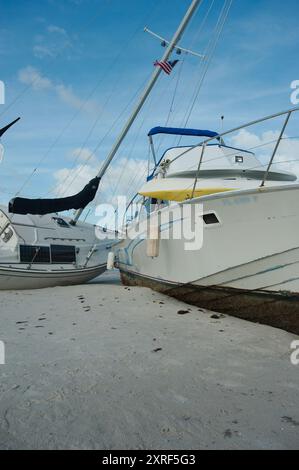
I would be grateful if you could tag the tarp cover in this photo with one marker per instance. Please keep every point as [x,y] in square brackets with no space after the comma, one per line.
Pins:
[178,131]
[20,205]
[4,129]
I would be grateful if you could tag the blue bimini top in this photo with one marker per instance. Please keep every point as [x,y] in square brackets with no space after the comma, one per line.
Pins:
[180,131]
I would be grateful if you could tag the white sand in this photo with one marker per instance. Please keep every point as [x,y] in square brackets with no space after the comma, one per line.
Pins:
[84,374]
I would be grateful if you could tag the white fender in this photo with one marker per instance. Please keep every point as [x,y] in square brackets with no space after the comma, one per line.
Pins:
[110,260]
[153,239]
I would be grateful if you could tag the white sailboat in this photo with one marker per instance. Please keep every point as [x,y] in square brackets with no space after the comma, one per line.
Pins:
[47,251]
[38,248]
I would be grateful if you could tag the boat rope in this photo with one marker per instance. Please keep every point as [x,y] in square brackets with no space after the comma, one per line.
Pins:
[168,117]
[209,53]
[133,185]
[93,153]
[171,106]
[153,102]
[127,159]
[195,37]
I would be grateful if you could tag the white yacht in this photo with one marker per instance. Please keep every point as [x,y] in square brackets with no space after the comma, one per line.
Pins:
[247,214]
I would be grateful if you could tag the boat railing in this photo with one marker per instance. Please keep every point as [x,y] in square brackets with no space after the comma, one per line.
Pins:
[288,113]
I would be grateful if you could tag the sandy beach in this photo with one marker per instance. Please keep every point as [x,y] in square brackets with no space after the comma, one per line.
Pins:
[102,366]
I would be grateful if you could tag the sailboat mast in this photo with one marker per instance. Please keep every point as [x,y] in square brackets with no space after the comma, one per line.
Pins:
[177,36]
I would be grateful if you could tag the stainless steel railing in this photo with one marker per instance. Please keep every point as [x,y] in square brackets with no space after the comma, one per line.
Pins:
[204,144]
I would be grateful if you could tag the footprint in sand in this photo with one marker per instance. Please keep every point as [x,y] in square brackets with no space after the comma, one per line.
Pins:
[81,298]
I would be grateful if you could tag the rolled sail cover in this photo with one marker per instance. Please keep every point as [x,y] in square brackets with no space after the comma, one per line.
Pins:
[20,205]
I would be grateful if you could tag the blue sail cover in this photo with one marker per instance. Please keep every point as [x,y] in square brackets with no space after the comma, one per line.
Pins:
[178,131]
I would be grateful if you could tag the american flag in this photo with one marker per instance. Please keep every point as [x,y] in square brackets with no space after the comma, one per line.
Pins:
[166,66]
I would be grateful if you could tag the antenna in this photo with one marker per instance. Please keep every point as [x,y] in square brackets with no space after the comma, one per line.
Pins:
[222,124]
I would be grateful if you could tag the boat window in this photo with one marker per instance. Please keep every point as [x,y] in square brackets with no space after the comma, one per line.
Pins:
[63,254]
[239,159]
[210,219]
[6,231]
[61,222]
[6,234]
[34,254]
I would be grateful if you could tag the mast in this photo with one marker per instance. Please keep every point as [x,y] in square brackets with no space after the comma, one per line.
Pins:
[177,36]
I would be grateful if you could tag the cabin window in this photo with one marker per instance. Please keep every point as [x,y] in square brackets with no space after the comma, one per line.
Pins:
[61,222]
[34,254]
[210,219]
[239,159]
[63,254]
[6,234]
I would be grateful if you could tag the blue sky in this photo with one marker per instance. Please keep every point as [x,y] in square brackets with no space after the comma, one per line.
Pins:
[97,49]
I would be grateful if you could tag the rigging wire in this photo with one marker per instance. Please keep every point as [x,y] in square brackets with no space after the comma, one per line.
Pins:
[151,103]
[149,107]
[80,169]
[60,50]
[84,103]
[209,55]
[174,93]
[199,30]
[51,60]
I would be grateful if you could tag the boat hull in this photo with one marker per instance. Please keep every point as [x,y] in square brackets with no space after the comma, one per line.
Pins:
[248,265]
[14,278]
[280,310]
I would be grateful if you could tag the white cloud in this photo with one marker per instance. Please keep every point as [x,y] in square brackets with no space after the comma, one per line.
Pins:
[69,182]
[42,51]
[123,178]
[53,41]
[287,156]
[67,95]
[31,76]
[56,29]
[245,139]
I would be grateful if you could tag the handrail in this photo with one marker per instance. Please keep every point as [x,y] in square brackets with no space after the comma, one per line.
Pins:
[204,144]
[249,124]
[276,148]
